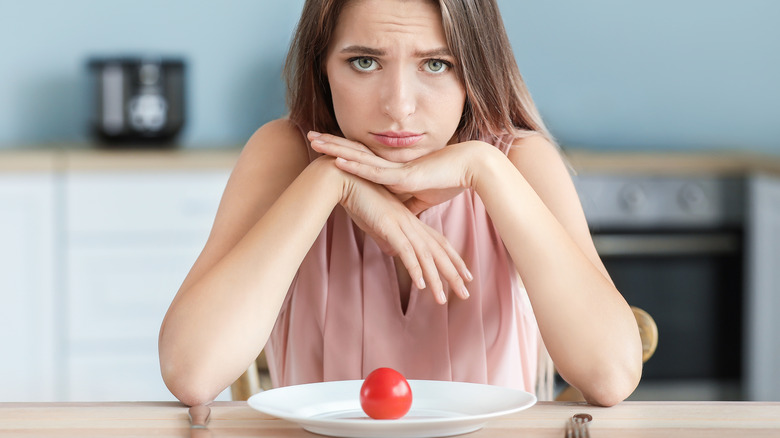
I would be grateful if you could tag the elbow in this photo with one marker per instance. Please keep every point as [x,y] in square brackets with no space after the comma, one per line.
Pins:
[607,396]
[614,375]
[185,387]
[192,398]
[182,378]
[612,386]
[180,375]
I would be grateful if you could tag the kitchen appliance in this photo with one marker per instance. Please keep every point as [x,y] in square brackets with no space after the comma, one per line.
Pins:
[674,247]
[137,100]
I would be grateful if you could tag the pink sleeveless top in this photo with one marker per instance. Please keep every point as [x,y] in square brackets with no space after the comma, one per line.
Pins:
[342,316]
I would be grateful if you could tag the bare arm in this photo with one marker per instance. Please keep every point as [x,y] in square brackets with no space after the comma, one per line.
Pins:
[274,207]
[225,309]
[586,324]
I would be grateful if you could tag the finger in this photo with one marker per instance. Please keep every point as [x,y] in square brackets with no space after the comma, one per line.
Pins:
[431,258]
[434,256]
[386,176]
[450,265]
[418,260]
[341,141]
[409,259]
[431,273]
[449,272]
[445,263]
[353,151]
[348,153]
[457,260]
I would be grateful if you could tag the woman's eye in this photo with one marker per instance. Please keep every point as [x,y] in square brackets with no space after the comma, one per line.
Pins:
[363,64]
[436,65]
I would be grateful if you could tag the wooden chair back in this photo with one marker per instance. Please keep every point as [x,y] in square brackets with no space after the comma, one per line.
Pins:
[255,379]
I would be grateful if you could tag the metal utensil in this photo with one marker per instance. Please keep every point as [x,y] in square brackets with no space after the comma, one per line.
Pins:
[199,418]
[577,426]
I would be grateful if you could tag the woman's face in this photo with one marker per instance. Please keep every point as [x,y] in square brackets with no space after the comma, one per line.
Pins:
[392,78]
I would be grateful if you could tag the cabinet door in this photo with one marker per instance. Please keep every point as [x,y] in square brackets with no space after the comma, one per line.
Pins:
[132,238]
[762,358]
[27,236]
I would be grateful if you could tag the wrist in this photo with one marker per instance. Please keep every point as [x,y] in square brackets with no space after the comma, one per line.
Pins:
[328,176]
[482,161]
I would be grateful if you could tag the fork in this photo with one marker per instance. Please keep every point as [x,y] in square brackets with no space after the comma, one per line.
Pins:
[577,426]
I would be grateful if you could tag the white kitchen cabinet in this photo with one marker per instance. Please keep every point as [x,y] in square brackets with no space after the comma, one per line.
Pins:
[27,278]
[762,358]
[130,238]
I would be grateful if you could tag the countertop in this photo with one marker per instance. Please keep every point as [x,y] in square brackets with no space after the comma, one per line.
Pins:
[673,163]
[545,419]
[79,157]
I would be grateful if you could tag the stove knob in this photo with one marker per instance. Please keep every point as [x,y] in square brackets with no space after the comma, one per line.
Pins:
[632,198]
[691,197]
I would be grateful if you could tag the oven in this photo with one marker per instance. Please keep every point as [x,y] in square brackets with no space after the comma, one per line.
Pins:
[674,247]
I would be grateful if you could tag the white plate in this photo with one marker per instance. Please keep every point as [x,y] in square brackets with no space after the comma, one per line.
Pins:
[438,408]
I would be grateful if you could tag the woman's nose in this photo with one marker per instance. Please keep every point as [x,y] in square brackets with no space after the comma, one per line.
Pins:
[398,96]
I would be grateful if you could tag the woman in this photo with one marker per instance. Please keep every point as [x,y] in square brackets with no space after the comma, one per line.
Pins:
[348,233]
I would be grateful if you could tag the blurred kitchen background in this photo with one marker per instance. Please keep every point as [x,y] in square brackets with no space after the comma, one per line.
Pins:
[668,112]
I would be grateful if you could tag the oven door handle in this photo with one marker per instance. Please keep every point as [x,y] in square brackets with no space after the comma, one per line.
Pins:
[610,245]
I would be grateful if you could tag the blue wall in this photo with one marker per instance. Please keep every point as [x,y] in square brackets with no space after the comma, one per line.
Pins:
[606,74]
[668,74]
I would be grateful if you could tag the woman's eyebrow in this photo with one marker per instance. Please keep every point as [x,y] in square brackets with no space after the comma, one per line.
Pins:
[435,53]
[365,50]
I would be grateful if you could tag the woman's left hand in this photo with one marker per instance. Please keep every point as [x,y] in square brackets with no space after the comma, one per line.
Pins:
[421,183]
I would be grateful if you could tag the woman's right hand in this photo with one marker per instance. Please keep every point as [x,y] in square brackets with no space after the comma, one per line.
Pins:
[426,253]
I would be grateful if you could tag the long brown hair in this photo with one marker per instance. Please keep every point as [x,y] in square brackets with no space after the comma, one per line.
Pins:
[498,104]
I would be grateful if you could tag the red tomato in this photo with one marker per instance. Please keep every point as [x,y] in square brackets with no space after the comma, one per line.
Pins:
[385,394]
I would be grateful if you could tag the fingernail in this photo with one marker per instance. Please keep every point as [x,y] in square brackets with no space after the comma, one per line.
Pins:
[442,297]
[314,134]
[341,160]
[318,142]
[420,283]
[469,276]
[464,292]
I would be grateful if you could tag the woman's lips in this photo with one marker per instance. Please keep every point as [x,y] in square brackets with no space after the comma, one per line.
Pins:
[397,139]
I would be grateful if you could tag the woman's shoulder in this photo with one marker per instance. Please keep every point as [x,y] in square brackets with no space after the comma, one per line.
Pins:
[535,150]
[533,139]
[279,140]
[278,132]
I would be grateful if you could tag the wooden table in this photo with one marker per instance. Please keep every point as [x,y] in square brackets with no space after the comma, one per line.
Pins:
[545,419]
